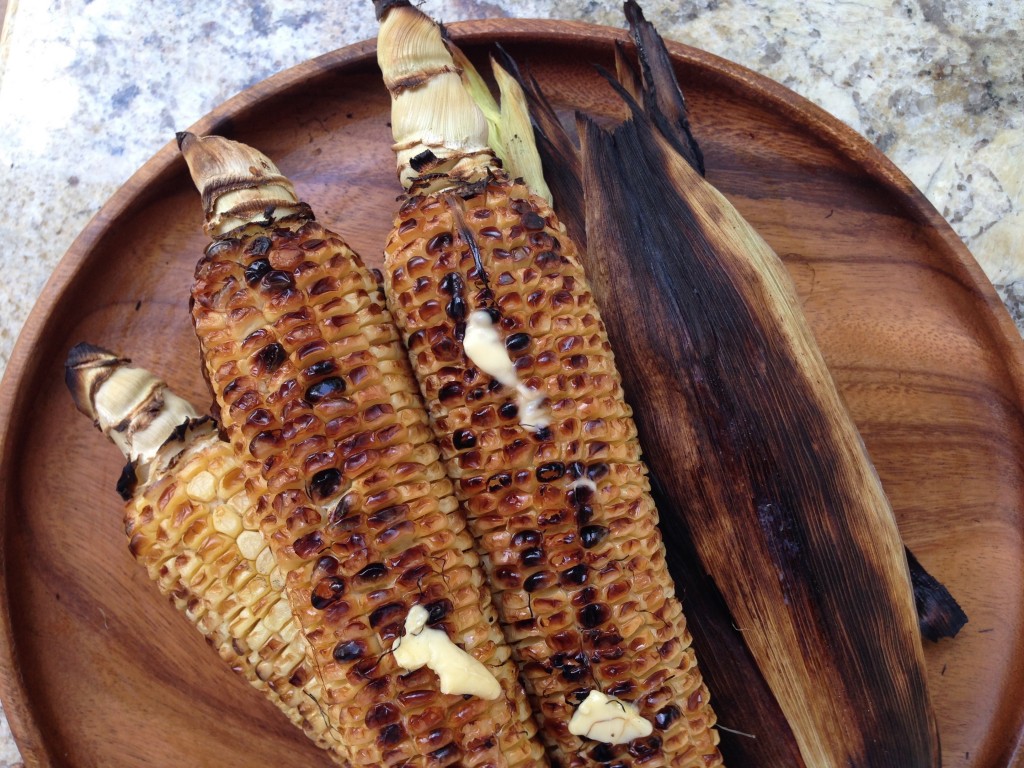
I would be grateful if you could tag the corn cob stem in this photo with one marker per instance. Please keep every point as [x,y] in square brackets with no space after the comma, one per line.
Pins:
[316,396]
[562,513]
[189,522]
[234,194]
[420,73]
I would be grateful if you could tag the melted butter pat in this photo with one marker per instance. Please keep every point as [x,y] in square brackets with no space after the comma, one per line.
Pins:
[458,672]
[485,350]
[609,720]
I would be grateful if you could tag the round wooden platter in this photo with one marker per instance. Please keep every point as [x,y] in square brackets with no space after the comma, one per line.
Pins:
[98,670]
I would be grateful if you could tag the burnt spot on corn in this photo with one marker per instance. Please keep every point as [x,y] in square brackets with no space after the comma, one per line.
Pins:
[391,735]
[456,309]
[572,667]
[591,535]
[603,753]
[425,160]
[551,519]
[383,714]
[529,538]
[372,572]
[580,495]
[268,359]
[453,285]
[259,419]
[543,434]
[325,566]
[532,556]
[517,342]
[219,247]
[664,717]
[325,484]
[322,390]
[538,581]
[463,440]
[438,610]
[533,221]
[451,392]
[277,280]
[259,246]
[255,271]
[446,755]
[550,472]
[574,576]
[127,481]
[623,688]
[308,545]
[437,244]
[508,411]
[320,368]
[327,591]
[644,748]
[386,613]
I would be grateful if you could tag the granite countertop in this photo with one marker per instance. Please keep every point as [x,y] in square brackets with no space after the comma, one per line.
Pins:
[90,89]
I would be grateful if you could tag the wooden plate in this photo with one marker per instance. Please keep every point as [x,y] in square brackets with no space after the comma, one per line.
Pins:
[97,670]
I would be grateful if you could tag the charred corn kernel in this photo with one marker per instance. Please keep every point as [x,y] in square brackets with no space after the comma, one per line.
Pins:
[183,526]
[557,498]
[315,392]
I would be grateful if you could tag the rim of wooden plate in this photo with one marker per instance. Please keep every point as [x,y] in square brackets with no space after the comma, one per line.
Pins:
[23,366]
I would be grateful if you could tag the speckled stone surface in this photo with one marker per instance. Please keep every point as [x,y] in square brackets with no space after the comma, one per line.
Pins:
[89,90]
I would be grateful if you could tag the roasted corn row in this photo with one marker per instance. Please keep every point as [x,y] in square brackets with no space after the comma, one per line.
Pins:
[316,395]
[190,523]
[513,360]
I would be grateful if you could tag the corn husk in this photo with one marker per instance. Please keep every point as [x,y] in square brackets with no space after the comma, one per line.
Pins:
[744,429]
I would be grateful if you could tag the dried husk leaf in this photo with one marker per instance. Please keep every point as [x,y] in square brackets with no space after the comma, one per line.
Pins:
[509,128]
[558,153]
[739,416]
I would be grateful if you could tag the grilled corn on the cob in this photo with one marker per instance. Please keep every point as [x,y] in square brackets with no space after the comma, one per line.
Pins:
[315,393]
[190,523]
[514,363]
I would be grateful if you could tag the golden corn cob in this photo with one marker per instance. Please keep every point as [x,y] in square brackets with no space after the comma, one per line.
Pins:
[316,395]
[189,522]
[545,456]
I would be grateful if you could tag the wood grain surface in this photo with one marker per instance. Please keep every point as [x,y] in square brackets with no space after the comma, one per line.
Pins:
[97,670]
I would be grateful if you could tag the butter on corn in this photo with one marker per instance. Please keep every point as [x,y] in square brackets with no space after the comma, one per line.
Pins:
[608,720]
[458,672]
